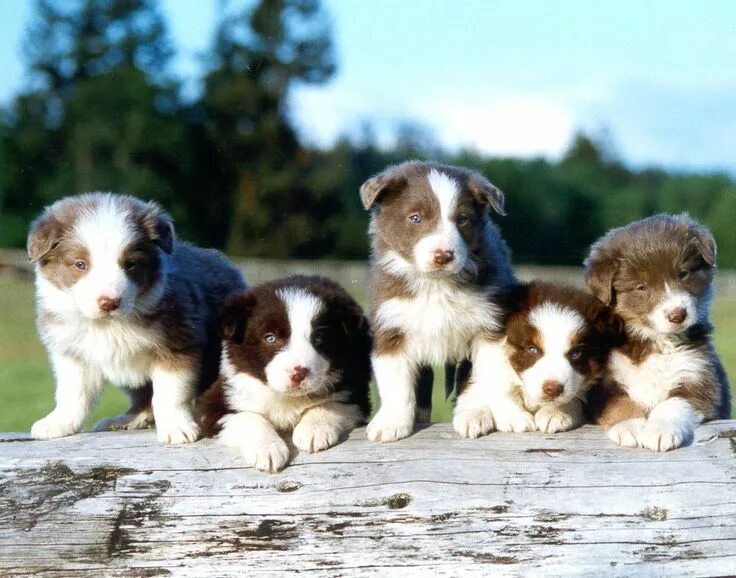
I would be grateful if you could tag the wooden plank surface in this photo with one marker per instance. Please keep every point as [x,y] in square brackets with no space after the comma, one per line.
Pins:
[119,504]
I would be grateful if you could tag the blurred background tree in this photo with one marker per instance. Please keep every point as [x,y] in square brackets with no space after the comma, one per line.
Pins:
[103,111]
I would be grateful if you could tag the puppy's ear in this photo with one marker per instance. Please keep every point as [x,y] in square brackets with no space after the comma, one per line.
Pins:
[159,227]
[44,234]
[706,246]
[486,192]
[600,271]
[607,323]
[234,316]
[375,188]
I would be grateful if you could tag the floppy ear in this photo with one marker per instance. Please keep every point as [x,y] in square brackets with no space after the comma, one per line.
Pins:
[486,192]
[600,270]
[44,234]
[234,315]
[376,187]
[706,246]
[159,227]
[607,323]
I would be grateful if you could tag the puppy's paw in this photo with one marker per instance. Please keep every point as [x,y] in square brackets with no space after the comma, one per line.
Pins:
[126,421]
[271,455]
[53,426]
[390,426]
[311,438]
[473,423]
[176,428]
[660,436]
[424,415]
[553,420]
[626,433]
[515,420]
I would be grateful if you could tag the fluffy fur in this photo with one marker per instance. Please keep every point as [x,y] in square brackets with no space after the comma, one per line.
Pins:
[119,299]
[437,258]
[296,359]
[557,340]
[658,273]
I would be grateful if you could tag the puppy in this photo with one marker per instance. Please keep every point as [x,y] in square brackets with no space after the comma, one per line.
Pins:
[557,341]
[296,358]
[657,274]
[118,298]
[437,259]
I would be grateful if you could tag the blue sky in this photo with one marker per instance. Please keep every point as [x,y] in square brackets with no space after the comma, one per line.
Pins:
[505,77]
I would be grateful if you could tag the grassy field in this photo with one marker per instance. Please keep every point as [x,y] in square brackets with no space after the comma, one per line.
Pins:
[26,382]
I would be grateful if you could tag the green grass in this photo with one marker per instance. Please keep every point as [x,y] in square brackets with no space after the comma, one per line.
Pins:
[27,387]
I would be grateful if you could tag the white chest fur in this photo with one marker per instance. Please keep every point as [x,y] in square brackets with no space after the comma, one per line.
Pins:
[650,382]
[440,321]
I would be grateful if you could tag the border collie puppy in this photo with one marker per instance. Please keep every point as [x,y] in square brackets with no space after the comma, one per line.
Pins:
[296,359]
[118,298]
[557,340]
[437,258]
[666,378]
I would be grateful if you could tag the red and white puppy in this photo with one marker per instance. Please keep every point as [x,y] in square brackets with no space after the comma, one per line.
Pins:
[296,359]
[557,340]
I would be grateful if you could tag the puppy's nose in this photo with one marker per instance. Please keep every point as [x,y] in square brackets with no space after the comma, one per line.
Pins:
[108,304]
[552,389]
[298,374]
[443,257]
[677,315]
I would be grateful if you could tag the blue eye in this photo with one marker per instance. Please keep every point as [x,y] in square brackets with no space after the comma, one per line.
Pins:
[533,350]
[575,354]
[415,218]
[462,220]
[270,338]
[81,265]
[317,337]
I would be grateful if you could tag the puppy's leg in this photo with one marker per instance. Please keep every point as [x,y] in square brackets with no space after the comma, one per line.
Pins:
[173,391]
[256,439]
[395,375]
[425,385]
[562,417]
[670,425]
[138,416]
[77,388]
[492,371]
[321,427]
[472,416]
[622,418]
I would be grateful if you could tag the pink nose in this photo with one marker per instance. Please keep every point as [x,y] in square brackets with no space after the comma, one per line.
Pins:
[677,315]
[443,257]
[552,389]
[108,304]
[297,375]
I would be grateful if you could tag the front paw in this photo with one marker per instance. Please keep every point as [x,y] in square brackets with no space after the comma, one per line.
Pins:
[176,428]
[473,423]
[626,433]
[53,426]
[270,455]
[313,438]
[553,420]
[514,420]
[662,436]
[389,426]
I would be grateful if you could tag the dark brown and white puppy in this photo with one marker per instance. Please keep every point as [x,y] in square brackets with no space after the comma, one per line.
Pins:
[118,298]
[557,341]
[657,274]
[296,358]
[437,258]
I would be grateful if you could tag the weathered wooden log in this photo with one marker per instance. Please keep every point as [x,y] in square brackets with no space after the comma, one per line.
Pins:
[120,504]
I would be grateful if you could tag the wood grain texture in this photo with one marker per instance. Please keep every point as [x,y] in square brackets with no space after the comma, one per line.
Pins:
[120,504]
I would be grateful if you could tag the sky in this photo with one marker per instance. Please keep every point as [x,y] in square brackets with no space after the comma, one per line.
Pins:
[655,78]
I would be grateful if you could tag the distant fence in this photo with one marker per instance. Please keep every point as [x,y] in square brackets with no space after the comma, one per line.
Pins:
[354,274]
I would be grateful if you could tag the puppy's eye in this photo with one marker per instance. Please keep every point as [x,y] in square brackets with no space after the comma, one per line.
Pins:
[642,287]
[415,218]
[318,337]
[81,265]
[684,274]
[129,265]
[270,338]
[533,350]
[462,220]
[575,353]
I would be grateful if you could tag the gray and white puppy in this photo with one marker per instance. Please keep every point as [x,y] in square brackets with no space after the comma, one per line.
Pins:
[119,298]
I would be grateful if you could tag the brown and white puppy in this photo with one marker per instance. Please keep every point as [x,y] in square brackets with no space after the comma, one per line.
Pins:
[296,359]
[557,341]
[118,298]
[436,260]
[657,274]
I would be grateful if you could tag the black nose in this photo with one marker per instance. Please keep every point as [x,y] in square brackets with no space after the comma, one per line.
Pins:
[108,304]
[442,257]
[552,388]
[677,315]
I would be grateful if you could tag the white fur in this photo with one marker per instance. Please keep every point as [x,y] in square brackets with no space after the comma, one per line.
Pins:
[173,391]
[322,426]
[669,425]
[395,375]
[673,300]
[626,433]
[256,439]
[557,327]
[650,382]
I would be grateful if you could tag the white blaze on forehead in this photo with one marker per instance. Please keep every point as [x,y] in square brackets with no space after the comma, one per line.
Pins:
[446,190]
[301,307]
[556,325]
[105,229]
